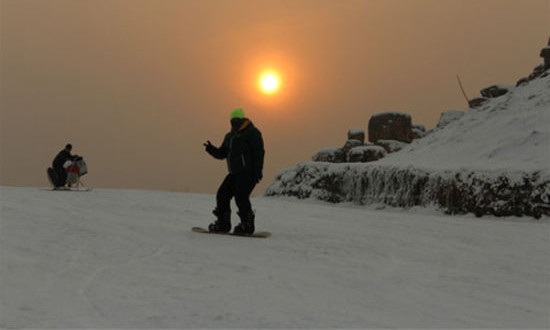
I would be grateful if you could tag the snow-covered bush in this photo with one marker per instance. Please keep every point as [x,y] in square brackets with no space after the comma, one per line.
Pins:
[479,192]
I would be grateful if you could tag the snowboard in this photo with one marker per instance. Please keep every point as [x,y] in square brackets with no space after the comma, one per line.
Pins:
[66,189]
[71,189]
[257,234]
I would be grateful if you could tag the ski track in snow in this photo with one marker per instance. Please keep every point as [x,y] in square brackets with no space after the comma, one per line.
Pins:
[90,281]
[128,259]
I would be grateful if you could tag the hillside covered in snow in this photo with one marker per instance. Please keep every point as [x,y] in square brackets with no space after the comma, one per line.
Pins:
[492,159]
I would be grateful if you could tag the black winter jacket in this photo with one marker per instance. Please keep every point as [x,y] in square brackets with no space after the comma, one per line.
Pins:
[61,158]
[243,150]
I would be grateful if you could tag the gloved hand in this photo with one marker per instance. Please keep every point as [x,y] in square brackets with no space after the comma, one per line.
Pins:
[258,176]
[209,147]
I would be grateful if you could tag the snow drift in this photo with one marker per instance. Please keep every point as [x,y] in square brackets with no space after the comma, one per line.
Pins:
[489,160]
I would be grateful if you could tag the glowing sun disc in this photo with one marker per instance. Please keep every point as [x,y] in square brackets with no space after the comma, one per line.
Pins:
[269,83]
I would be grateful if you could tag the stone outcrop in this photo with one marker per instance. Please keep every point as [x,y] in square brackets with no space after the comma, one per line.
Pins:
[391,145]
[545,54]
[350,144]
[356,134]
[389,132]
[330,155]
[352,151]
[494,91]
[477,102]
[419,131]
[364,154]
[540,70]
[390,126]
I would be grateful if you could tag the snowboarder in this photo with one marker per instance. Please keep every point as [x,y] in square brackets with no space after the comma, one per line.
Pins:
[243,149]
[59,176]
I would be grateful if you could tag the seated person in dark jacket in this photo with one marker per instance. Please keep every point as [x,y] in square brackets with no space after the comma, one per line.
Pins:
[59,174]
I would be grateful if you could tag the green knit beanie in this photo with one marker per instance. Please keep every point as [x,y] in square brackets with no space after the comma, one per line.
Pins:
[237,113]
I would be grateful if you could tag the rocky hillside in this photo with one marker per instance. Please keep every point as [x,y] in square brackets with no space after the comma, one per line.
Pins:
[491,159]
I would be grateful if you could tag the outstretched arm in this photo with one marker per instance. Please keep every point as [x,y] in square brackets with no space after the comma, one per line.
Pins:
[219,153]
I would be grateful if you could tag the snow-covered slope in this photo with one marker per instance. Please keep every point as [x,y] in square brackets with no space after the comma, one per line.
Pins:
[511,132]
[127,259]
[491,160]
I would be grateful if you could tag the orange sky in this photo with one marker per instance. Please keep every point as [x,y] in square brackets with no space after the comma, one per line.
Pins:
[137,86]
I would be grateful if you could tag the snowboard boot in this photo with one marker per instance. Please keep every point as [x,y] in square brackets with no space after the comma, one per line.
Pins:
[246,227]
[223,224]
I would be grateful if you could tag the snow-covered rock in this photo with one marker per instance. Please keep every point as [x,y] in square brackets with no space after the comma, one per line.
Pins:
[357,134]
[545,54]
[419,131]
[331,155]
[541,70]
[364,154]
[390,126]
[495,91]
[391,145]
[477,102]
[350,144]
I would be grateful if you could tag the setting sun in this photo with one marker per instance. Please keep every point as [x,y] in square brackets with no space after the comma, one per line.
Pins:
[269,83]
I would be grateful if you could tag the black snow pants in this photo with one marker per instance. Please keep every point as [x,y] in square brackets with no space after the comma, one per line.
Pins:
[60,176]
[239,186]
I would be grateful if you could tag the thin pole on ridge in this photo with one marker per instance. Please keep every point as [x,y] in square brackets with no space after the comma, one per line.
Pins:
[462,89]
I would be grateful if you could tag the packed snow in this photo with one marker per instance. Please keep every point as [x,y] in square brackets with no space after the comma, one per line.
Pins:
[128,259]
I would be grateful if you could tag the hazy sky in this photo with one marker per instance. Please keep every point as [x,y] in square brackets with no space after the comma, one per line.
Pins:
[138,85]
